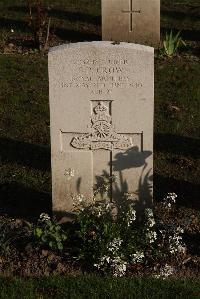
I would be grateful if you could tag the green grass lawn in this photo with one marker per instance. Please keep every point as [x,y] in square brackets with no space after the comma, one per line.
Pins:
[97,287]
[25,182]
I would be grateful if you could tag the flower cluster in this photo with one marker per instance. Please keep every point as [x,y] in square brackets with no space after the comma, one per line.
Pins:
[131,215]
[79,202]
[165,272]
[176,242]
[137,257]
[117,241]
[169,200]
[44,217]
[149,217]
[102,209]
[78,199]
[115,245]
[151,234]
[114,261]
[116,265]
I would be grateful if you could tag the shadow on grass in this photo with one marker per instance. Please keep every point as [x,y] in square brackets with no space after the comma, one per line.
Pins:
[188,193]
[183,14]
[19,201]
[180,145]
[24,153]
[15,199]
[6,23]
[75,36]
[55,13]
[74,16]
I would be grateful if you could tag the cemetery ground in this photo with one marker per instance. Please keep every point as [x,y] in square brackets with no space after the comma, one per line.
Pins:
[25,170]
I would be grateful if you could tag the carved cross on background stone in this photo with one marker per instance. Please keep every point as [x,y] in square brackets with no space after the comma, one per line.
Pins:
[131,12]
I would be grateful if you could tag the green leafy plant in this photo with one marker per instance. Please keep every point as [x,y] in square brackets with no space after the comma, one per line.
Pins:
[172,43]
[48,232]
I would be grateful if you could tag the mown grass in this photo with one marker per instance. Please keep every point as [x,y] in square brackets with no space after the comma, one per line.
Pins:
[98,287]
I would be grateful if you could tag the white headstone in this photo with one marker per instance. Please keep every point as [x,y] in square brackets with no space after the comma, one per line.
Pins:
[101,113]
[136,21]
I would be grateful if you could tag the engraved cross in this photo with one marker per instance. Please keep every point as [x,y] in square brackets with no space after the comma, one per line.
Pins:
[131,12]
[101,136]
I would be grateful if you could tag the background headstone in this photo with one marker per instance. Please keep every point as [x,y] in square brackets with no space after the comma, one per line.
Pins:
[136,21]
[101,113]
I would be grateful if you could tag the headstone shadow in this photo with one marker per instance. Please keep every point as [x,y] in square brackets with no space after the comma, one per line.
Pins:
[24,153]
[7,23]
[175,144]
[74,16]
[63,14]
[184,148]
[17,200]
[75,36]
[188,193]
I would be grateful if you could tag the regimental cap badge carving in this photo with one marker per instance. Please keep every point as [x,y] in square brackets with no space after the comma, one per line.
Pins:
[101,113]
[103,135]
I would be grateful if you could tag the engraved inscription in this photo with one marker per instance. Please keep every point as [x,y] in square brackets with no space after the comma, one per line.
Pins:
[103,135]
[114,73]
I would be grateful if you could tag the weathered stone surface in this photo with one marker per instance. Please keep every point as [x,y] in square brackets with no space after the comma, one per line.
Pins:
[101,111]
[136,21]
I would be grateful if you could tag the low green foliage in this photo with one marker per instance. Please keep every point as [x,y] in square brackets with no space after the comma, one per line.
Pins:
[172,43]
[48,232]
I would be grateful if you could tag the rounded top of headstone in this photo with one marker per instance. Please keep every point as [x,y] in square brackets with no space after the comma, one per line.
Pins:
[102,44]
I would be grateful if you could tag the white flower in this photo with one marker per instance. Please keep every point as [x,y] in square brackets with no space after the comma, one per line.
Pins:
[79,198]
[151,222]
[181,248]
[44,217]
[12,30]
[113,262]
[114,245]
[137,257]
[165,272]
[108,206]
[169,200]
[179,230]
[131,215]
[151,236]
[99,214]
